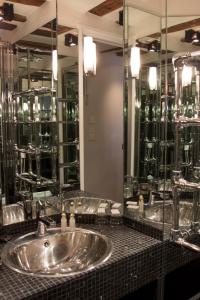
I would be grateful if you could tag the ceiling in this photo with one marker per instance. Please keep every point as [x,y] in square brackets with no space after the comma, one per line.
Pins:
[98,15]
[24,9]
[173,7]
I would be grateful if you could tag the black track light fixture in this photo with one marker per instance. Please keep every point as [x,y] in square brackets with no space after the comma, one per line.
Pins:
[71,40]
[7,12]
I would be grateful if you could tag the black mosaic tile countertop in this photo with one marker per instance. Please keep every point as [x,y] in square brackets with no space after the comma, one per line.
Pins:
[135,261]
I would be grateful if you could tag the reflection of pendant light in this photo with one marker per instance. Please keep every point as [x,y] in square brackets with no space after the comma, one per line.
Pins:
[89,56]
[186,75]
[55,64]
[25,106]
[135,62]
[153,78]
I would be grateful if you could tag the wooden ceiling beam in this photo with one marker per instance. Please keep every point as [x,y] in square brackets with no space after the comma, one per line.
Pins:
[62,29]
[50,25]
[29,2]
[7,26]
[19,18]
[43,32]
[59,28]
[178,27]
[36,45]
[111,50]
[106,7]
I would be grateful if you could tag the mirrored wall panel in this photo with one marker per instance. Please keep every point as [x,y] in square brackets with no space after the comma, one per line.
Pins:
[144,117]
[68,108]
[181,212]
[161,112]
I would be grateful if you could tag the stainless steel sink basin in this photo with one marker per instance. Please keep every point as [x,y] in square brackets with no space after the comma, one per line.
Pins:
[155,213]
[12,213]
[57,254]
[86,205]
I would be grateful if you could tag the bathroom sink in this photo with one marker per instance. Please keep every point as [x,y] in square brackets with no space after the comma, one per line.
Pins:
[155,214]
[57,253]
[12,213]
[87,205]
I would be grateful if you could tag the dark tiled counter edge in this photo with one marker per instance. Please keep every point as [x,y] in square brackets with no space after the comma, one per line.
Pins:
[135,261]
[144,228]
[118,277]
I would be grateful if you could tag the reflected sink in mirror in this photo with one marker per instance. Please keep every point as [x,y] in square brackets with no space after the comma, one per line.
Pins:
[14,213]
[88,205]
[58,253]
[155,214]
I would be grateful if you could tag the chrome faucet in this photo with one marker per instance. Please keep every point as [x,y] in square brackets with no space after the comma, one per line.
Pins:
[43,221]
[151,197]
[40,208]
[41,229]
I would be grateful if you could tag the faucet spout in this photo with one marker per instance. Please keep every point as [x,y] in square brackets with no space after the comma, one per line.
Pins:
[182,242]
[42,229]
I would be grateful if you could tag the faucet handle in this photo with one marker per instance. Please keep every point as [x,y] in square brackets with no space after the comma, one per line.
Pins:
[176,175]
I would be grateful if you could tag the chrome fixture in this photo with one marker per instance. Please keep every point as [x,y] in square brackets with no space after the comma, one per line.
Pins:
[181,120]
[41,230]
[7,127]
[43,220]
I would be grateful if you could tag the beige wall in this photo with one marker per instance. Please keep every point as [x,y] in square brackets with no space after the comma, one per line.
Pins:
[104,128]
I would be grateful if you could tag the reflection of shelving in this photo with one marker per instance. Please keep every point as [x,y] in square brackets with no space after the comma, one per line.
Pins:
[157,122]
[156,131]
[74,164]
[68,122]
[35,125]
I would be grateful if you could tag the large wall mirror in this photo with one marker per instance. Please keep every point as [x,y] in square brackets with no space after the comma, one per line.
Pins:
[144,164]
[68,108]
[29,122]
[181,211]
[49,127]
[161,116]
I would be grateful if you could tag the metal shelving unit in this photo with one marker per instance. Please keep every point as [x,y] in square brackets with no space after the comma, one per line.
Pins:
[35,139]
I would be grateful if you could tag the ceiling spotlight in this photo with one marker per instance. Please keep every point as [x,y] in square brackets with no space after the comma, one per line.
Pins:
[196,37]
[192,36]
[6,12]
[154,46]
[71,40]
